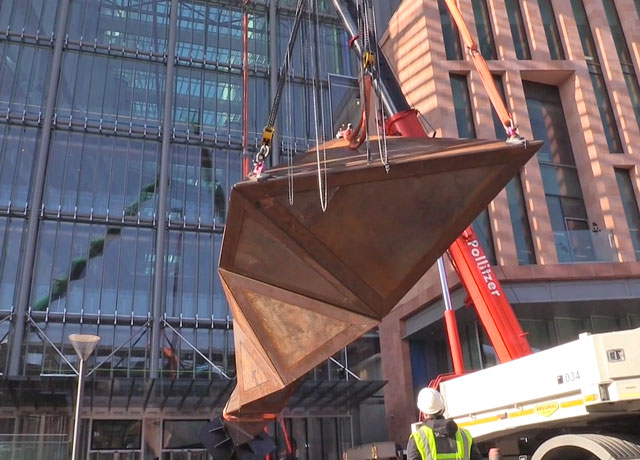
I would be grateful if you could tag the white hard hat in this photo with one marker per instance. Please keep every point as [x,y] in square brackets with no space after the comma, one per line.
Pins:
[430,401]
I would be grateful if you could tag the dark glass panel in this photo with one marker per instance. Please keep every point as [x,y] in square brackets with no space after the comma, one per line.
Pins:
[213,32]
[18,148]
[93,268]
[191,280]
[597,79]
[134,24]
[212,101]
[462,106]
[116,434]
[518,29]
[485,31]
[548,123]
[452,46]
[624,56]
[559,180]
[541,334]
[520,222]
[102,176]
[11,231]
[32,16]
[23,78]
[201,179]
[482,228]
[630,204]
[179,359]
[106,89]
[181,434]
[551,29]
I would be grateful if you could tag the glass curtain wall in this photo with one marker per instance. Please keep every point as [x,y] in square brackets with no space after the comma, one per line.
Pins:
[95,256]
[630,204]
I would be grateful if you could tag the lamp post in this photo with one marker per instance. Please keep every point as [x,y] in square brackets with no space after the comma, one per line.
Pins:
[83,344]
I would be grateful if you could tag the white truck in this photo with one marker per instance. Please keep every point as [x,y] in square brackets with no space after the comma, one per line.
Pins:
[580,400]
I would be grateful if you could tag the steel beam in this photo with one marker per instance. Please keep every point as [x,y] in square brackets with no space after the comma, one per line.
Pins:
[24,290]
[161,233]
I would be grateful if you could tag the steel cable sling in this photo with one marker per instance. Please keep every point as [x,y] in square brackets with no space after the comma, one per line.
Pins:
[267,134]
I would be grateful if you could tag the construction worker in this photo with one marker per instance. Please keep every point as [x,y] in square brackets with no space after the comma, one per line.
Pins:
[438,437]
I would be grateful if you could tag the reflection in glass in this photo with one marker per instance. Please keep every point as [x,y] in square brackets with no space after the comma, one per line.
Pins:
[18,148]
[518,29]
[551,29]
[191,279]
[30,16]
[134,24]
[212,32]
[484,29]
[624,56]
[116,434]
[597,78]
[345,101]
[630,205]
[201,179]
[102,176]
[23,78]
[179,360]
[11,231]
[106,89]
[93,268]
[452,46]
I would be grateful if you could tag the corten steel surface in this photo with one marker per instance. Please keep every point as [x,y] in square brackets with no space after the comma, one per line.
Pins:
[303,283]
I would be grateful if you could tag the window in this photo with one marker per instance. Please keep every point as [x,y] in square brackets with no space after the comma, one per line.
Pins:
[515,197]
[597,78]
[344,99]
[518,29]
[462,106]
[466,129]
[567,212]
[181,434]
[483,26]
[624,55]
[551,29]
[116,435]
[630,205]
[452,46]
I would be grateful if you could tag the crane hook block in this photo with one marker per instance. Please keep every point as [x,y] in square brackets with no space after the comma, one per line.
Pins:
[267,135]
[368,60]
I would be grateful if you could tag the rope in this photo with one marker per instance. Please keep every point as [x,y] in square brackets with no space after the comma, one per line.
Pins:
[321,164]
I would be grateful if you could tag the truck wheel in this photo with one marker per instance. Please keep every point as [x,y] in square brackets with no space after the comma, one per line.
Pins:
[586,447]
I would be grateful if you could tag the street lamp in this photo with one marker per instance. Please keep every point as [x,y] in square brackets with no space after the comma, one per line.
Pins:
[83,344]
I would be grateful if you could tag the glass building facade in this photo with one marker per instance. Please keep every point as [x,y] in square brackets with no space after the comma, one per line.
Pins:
[120,139]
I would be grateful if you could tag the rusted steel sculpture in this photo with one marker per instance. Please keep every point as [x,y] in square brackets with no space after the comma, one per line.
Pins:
[303,283]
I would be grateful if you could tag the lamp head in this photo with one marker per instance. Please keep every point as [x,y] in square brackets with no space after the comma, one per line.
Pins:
[84,344]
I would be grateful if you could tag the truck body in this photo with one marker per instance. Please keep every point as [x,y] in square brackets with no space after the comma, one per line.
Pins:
[588,386]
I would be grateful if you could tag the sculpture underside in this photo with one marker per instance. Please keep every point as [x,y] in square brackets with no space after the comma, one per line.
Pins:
[303,283]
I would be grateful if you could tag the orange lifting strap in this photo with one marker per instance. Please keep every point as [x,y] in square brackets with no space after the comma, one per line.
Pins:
[481,66]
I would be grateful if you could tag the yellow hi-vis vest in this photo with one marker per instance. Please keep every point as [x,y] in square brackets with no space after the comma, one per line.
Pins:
[425,440]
